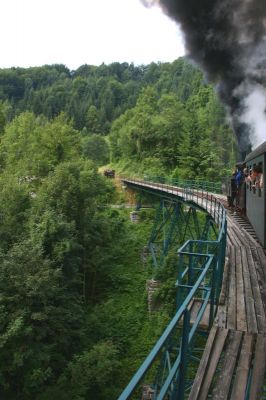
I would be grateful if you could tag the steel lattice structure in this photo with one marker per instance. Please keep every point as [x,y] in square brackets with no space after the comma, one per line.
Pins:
[200,262]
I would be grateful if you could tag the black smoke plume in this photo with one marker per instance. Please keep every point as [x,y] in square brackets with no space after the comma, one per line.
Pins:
[227,38]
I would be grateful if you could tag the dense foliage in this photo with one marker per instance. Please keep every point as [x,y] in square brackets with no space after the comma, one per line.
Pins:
[160,117]
[73,308]
[72,285]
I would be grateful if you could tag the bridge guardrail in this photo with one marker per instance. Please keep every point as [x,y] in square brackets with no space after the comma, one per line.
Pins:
[200,269]
[211,187]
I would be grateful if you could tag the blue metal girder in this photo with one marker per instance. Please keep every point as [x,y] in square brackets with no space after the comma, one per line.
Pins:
[171,227]
[166,230]
[165,337]
[200,270]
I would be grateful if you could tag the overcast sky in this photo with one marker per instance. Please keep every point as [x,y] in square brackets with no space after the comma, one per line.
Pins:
[76,32]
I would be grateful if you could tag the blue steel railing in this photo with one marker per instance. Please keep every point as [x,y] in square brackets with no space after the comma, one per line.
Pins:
[211,187]
[200,197]
[200,270]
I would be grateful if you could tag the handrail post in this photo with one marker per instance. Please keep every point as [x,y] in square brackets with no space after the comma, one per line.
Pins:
[222,251]
[190,266]
[179,292]
[180,394]
[214,290]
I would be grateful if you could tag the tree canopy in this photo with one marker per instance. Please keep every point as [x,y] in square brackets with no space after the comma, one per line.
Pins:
[73,310]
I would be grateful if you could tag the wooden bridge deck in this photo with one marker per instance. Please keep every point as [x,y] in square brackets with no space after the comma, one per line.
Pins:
[232,366]
[233,363]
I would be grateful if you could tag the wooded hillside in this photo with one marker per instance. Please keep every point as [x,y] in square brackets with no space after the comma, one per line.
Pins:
[73,305]
[162,117]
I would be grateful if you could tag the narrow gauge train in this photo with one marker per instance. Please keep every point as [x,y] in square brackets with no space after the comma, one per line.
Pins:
[252,196]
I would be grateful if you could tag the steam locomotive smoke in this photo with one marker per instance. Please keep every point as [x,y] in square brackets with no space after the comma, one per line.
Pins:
[227,38]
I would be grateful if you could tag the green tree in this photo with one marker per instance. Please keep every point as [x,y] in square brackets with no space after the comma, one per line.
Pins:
[89,375]
[41,322]
[33,146]
[96,148]
[92,120]
[15,201]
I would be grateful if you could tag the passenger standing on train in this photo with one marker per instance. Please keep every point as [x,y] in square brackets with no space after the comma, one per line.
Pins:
[239,177]
[232,190]
[240,189]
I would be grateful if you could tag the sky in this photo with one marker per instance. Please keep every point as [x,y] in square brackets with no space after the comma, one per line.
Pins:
[77,32]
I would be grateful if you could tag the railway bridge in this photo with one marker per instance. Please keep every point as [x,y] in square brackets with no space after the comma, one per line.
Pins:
[221,293]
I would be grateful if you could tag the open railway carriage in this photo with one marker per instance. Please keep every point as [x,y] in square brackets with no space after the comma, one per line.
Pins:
[256,196]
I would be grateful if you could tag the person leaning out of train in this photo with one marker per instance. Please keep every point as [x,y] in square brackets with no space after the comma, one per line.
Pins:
[246,174]
[256,177]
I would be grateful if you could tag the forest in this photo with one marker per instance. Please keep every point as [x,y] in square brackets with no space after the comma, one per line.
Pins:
[74,315]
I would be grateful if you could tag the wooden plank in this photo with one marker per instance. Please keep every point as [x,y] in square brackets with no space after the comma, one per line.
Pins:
[194,310]
[250,307]
[223,293]
[231,310]
[232,238]
[240,234]
[258,369]
[241,321]
[222,387]
[212,365]
[262,258]
[228,241]
[228,249]
[203,365]
[220,319]
[259,256]
[230,232]
[242,372]
[259,309]
[204,323]
[243,233]
[195,307]
[238,242]
[252,237]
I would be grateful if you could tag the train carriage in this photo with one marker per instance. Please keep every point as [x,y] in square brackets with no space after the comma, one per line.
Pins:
[256,194]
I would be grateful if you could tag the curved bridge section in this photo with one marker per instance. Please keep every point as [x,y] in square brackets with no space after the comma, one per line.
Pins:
[228,274]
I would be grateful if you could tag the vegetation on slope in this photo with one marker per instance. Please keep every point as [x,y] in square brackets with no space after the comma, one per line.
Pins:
[160,118]
[73,303]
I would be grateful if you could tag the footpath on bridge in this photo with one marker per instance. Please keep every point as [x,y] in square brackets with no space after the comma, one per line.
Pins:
[233,362]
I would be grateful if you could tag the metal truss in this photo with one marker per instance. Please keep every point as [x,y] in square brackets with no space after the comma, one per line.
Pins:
[176,222]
